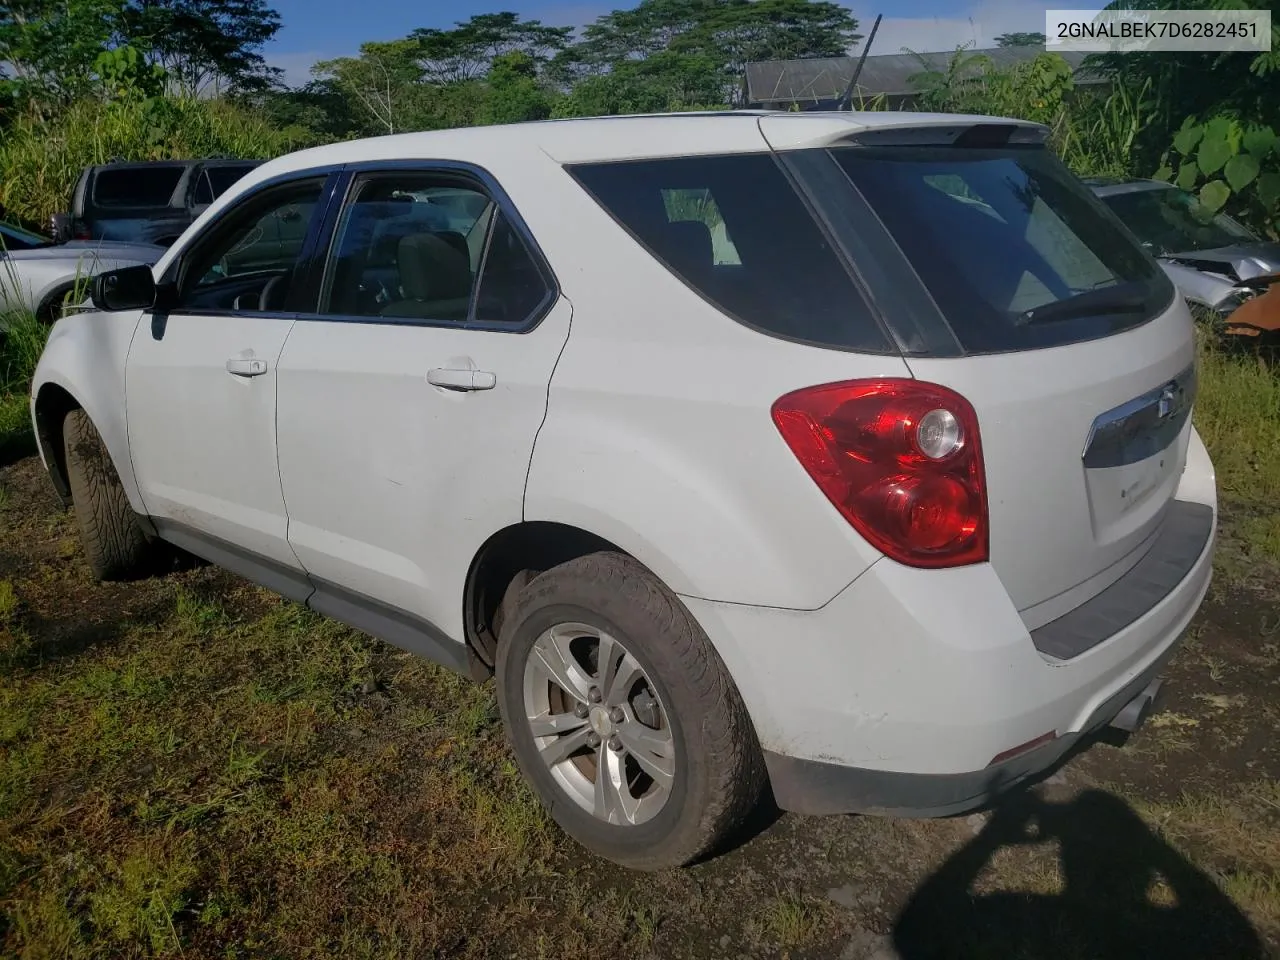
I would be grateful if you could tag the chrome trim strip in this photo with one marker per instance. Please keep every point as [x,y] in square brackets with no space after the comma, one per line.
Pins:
[1141,427]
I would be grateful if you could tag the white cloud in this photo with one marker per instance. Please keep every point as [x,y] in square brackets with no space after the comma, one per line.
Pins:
[297,64]
[979,25]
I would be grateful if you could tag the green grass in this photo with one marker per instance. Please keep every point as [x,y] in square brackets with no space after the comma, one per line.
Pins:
[1238,416]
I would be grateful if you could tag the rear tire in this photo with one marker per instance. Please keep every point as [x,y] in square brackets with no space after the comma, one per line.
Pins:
[115,542]
[661,713]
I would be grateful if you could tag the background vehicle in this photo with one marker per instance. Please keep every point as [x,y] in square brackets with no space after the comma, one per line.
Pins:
[15,238]
[850,450]
[146,202]
[37,275]
[1212,261]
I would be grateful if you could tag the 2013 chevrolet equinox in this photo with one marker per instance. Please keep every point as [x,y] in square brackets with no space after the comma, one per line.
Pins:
[853,451]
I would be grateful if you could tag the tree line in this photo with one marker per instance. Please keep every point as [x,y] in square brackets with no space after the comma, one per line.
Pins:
[84,80]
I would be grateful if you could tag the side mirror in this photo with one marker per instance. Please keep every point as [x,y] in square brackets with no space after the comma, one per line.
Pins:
[60,227]
[129,288]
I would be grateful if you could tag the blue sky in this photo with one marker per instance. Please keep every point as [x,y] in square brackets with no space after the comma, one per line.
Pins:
[317,29]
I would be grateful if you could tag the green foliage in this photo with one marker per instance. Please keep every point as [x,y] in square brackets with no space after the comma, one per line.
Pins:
[49,47]
[1034,89]
[663,82]
[21,342]
[1236,85]
[472,48]
[726,33]
[124,73]
[59,50]
[384,84]
[1231,167]
[1098,136]
[1020,40]
[515,93]
[40,161]
[199,41]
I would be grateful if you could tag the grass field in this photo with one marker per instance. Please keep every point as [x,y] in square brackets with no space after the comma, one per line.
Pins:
[191,767]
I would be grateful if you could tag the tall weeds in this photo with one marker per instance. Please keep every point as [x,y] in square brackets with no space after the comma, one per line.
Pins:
[41,160]
[1099,137]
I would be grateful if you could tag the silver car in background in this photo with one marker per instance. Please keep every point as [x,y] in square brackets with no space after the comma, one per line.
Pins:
[38,276]
[1216,263]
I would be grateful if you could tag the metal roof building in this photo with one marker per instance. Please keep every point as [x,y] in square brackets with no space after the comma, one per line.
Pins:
[817,84]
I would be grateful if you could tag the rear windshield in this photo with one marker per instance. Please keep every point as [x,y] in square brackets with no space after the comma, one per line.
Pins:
[734,230]
[136,186]
[1015,251]
[1171,221]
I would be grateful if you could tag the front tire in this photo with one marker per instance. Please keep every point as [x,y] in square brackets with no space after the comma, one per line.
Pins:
[115,542]
[622,716]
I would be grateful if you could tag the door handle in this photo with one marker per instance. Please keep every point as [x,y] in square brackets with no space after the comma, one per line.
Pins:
[239,367]
[461,378]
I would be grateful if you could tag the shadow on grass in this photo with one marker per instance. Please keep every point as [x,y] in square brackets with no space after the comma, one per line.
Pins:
[54,639]
[16,446]
[1125,893]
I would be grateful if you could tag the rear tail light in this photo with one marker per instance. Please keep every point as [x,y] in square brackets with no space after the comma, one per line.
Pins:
[902,462]
[80,231]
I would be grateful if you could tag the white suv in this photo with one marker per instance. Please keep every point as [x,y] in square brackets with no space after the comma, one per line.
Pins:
[850,452]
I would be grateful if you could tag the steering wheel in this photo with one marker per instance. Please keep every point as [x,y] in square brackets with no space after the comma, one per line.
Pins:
[264,298]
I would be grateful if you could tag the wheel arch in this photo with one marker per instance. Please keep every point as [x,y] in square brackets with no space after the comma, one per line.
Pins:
[52,404]
[82,367]
[51,299]
[532,547]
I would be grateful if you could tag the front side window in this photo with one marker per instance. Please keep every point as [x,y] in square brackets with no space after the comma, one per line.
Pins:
[419,246]
[1015,251]
[736,231]
[249,258]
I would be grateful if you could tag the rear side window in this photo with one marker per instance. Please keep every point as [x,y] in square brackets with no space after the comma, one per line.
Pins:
[136,186]
[735,230]
[1016,252]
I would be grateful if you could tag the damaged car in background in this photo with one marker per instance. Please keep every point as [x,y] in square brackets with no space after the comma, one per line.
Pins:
[41,277]
[1214,261]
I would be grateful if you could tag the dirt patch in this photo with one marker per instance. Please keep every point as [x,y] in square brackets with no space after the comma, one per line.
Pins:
[191,767]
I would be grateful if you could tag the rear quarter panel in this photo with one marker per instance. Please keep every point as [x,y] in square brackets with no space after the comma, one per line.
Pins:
[659,437]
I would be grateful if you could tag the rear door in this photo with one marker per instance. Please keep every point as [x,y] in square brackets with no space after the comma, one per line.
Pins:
[409,407]
[1064,335]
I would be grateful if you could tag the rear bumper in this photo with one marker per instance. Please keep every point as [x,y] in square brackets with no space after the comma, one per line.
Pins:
[905,692]
[821,789]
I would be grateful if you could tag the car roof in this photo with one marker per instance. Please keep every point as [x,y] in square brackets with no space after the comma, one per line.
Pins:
[618,138]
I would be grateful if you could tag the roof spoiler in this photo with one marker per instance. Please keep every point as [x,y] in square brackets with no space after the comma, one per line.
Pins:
[973,135]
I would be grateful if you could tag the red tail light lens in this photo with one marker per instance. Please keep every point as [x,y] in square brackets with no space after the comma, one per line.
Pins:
[81,231]
[902,462]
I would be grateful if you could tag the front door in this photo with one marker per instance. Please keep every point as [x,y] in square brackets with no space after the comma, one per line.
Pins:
[200,387]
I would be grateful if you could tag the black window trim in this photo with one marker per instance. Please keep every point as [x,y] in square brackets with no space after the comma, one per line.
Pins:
[470,174]
[898,297]
[859,286]
[329,175]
